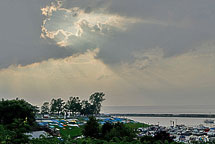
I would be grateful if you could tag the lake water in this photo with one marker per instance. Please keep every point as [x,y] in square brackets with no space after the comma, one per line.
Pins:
[168,121]
[204,109]
[164,121]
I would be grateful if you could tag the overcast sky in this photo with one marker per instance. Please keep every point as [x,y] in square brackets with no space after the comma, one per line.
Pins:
[138,52]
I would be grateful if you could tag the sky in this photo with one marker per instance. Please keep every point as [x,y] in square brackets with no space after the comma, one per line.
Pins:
[139,52]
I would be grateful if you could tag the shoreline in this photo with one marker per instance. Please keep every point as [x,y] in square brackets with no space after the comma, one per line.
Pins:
[166,115]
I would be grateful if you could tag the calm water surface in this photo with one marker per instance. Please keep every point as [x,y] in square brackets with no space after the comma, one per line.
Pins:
[168,121]
[205,109]
[165,121]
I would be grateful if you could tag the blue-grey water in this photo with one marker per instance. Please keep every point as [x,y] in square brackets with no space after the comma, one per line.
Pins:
[168,121]
[165,121]
[204,109]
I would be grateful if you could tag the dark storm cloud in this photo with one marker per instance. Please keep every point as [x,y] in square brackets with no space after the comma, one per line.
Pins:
[20,29]
[188,23]
[87,5]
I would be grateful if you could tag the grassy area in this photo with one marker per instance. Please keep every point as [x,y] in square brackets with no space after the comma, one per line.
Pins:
[77,131]
[71,131]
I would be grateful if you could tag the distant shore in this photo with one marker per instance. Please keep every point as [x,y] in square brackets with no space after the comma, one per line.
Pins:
[167,115]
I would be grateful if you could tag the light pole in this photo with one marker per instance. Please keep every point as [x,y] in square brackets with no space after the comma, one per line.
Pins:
[172,123]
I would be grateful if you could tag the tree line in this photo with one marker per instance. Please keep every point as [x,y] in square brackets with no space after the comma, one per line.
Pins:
[119,133]
[74,105]
[16,118]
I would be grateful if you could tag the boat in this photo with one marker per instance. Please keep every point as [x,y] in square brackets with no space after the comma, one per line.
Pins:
[209,121]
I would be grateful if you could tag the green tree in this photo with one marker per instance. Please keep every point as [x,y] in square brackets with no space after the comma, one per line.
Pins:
[86,108]
[120,131]
[20,127]
[11,110]
[6,136]
[53,106]
[74,104]
[57,105]
[91,128]
[44,140]
[15,136]
[16,118]
[147,140]
[106,128]
[96,99]
[45,108]
[66,110]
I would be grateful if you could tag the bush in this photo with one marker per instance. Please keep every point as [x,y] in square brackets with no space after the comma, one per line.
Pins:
[16,118]
[91,128]
[119,130]
[13,110]
[163,136]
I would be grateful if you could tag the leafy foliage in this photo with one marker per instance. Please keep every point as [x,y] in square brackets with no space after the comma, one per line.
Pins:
[120,131]
[12,111]
[45,108]
[109,132]
[106,128]
[16,118]
[44,140]
[74,105]
[91,128]
[96,99]
[57,105]
[86,108]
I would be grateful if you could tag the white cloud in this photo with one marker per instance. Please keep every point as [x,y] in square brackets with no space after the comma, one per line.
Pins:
[69,27]
[189,70]
[142,82]
[76,75]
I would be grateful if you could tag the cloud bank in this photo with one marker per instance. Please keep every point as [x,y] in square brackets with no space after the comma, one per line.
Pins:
[138,52]
[79,28]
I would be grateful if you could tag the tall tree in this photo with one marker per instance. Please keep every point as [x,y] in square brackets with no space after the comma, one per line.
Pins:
[74,104]
[91,128]
[66,110]
[96,99]
[45,108]
[106,128]
[118,130]
[16,110]
[53,106]
[86,108]
[57,105]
